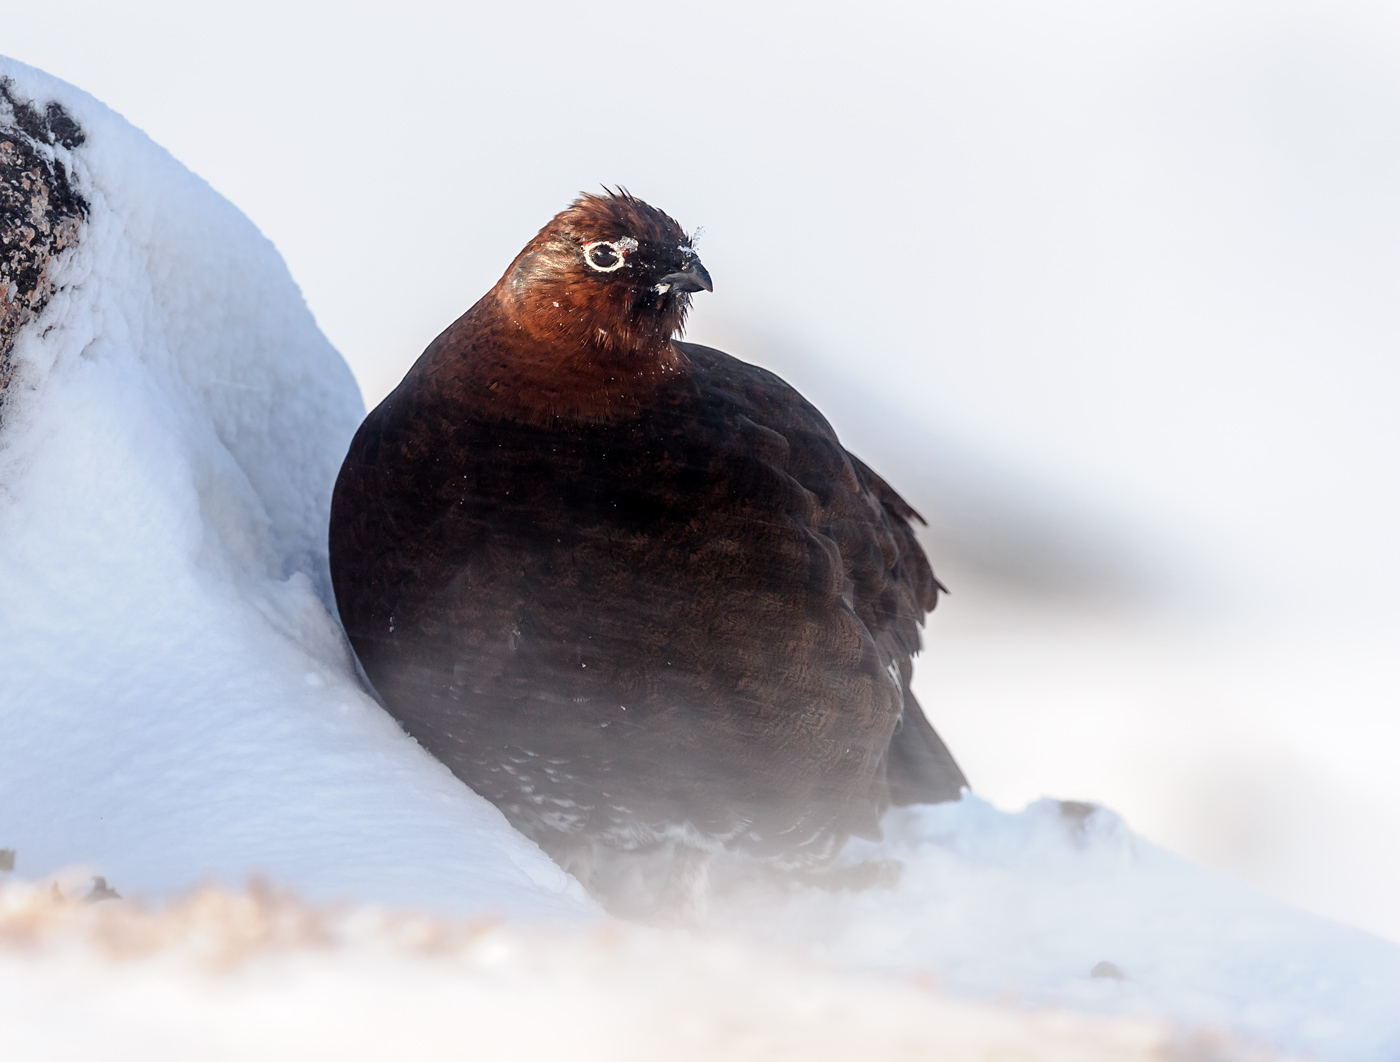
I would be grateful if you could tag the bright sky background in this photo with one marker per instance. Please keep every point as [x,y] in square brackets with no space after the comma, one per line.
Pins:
[1148,253]
[1137,265]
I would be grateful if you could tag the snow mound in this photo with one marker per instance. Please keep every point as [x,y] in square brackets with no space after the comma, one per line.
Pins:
[178,701]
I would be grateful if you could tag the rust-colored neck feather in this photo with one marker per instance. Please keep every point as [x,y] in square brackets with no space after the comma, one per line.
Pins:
[559,340]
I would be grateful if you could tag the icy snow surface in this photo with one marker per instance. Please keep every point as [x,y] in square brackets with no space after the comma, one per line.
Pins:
[178,704]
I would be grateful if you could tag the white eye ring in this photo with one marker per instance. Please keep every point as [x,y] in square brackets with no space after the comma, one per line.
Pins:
[619,249]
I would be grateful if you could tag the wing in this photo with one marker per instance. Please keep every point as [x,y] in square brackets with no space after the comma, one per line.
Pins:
[919,767]
[892,586]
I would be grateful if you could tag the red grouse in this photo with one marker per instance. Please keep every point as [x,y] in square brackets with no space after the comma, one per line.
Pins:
[633,590]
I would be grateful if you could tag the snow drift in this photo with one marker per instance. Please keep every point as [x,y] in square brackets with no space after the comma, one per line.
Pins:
[178,702]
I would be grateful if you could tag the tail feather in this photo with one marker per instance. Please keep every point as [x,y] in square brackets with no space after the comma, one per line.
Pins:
[919,767]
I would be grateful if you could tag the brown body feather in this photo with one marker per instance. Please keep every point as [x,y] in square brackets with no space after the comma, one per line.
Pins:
[631,589]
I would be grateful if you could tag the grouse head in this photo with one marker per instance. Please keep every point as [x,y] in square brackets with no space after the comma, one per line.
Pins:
[609,274]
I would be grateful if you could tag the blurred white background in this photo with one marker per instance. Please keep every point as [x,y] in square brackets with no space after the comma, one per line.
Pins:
[1110,290]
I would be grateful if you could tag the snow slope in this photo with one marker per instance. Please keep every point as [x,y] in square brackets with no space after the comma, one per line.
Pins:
[177,701]
[1026,906]
[178,705]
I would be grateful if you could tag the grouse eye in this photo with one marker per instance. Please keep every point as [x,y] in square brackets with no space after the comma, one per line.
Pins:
[604,256]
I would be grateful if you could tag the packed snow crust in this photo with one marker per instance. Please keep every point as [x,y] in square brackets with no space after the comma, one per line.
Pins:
[179,705]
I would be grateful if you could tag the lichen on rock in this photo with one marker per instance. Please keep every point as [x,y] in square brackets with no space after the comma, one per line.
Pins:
[41,213]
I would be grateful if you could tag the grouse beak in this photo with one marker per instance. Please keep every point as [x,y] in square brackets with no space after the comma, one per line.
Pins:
[695,277]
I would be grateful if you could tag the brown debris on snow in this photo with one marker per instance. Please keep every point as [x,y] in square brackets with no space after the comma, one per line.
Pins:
[216,928]
[265,974]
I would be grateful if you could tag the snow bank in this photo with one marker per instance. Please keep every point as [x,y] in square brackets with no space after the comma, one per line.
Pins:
[177,701]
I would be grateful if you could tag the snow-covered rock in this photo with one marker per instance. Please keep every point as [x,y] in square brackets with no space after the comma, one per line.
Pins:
[177,700]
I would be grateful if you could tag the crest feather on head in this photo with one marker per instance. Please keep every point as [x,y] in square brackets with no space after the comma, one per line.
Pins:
[615,214]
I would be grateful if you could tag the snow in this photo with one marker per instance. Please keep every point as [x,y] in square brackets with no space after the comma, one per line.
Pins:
[179,706]
[232,977]
[178,702]
[986,947]
[1157,248]
[1029,904]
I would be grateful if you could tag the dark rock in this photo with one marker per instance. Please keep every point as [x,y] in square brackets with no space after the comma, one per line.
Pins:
[7,859]
[101,891]
[41,212]
[1077,811]
[1076,815]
